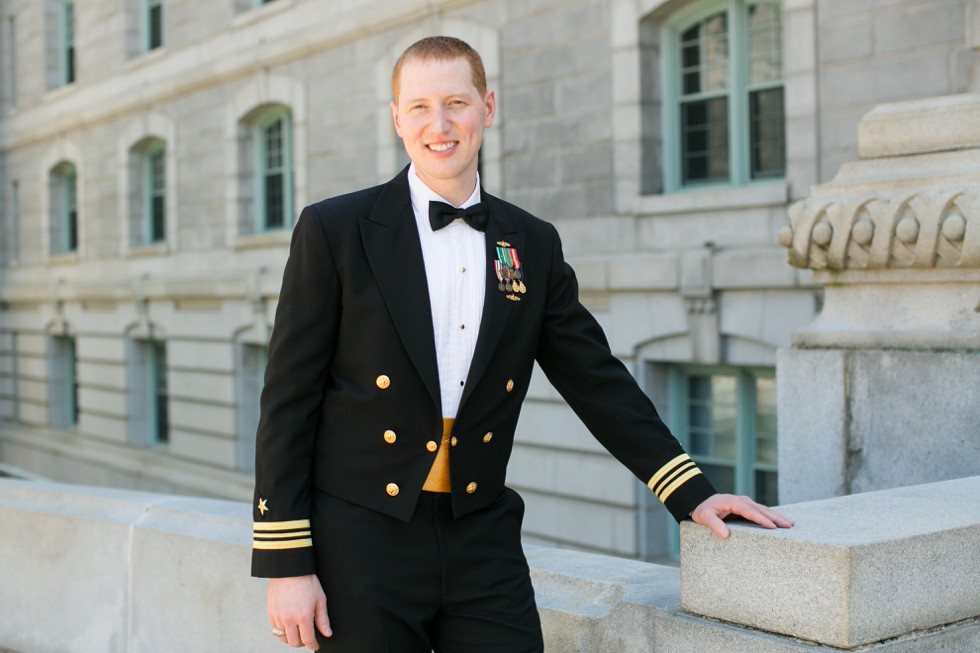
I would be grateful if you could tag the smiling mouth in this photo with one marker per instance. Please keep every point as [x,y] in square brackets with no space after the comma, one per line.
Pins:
[442,147]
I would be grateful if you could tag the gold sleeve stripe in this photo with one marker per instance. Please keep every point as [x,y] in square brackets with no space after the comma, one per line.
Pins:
[676,484]
[666,469]
[670,479]
[282,536]
[275,546]
[281,525]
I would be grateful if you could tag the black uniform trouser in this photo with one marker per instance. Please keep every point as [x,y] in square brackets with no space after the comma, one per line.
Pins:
[433,584]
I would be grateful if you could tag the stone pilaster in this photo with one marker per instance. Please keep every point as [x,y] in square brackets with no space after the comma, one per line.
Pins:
[895,239]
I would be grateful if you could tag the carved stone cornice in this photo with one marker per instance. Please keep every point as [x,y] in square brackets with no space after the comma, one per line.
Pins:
[910,202]
[907,229]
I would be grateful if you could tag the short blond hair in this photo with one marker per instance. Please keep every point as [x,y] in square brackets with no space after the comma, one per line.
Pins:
[441,48]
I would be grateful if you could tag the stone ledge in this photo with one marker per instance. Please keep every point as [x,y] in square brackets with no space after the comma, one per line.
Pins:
[916,126]
[133,572]
[854,570]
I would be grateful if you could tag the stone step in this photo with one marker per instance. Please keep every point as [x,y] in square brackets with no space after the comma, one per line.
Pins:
[853,571]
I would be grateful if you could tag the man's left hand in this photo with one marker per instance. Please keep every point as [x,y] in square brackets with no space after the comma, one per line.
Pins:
[715,508]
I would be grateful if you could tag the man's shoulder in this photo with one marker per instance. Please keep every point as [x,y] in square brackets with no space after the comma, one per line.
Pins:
[349,206]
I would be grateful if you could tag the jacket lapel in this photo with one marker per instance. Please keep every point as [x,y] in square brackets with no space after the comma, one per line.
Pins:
[496,309]
[394,252]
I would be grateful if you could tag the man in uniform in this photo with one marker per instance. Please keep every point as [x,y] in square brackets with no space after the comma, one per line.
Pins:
[410,317]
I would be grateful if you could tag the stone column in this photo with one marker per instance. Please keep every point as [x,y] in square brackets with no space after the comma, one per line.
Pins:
[883,389]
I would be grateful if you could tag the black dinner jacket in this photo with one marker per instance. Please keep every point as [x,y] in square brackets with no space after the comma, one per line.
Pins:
[351,395]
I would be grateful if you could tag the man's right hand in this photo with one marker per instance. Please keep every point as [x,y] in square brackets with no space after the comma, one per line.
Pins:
[296,605]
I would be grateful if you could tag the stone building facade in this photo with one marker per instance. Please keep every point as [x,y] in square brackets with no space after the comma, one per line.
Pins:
[155,153]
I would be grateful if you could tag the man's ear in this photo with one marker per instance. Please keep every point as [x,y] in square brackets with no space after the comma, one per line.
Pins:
[490,102]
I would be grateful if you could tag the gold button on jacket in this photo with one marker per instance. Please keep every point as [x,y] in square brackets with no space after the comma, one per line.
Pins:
[510,385]
[488,437]
[471,488]
[390,436]
[392,490]
[431,445]
[383,382]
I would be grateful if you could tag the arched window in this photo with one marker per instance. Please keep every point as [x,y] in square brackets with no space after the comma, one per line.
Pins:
[63,202]
[723,113]
[267,164]
[148,192]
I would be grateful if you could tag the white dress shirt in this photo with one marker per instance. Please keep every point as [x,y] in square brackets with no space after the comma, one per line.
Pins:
[455,268]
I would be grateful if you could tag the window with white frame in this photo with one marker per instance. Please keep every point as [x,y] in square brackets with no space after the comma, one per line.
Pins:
[153,21]
[723,117]
[63,217]
[726,419]
[63,408]
[253,360]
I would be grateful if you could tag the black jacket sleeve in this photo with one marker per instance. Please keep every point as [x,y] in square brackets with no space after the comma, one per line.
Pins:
[575,356]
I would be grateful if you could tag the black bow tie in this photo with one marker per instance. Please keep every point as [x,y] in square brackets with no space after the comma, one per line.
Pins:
[441,214]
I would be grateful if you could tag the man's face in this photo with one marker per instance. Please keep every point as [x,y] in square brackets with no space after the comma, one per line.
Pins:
[440,116]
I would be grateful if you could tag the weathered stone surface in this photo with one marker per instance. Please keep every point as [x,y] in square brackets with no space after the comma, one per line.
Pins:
[132,572]
[854,570]
[917,126]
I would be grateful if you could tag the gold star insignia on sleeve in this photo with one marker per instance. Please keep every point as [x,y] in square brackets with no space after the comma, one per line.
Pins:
[262,507]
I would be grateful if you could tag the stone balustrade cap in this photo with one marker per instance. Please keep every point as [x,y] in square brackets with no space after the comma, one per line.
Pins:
[917,126]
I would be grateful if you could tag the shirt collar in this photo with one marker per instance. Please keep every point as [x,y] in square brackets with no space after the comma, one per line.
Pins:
[422,194]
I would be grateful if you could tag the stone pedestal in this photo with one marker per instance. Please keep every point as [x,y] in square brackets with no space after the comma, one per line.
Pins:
[881,390]
[854,570]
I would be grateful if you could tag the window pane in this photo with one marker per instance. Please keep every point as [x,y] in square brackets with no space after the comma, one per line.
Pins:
[765,420]
[764,34]
[768,143]
[721,476]
[158,195]
[704,56]
[70,182]
[273,145]
[158,228]
[158,352]
[274,209]
[68,21]
[275,175]
[155,26]
[704,140]
[711,418]
[766,491]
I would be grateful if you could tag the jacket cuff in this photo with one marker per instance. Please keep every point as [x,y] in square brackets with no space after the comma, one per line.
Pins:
[282,549]
[283,564]
[681,486]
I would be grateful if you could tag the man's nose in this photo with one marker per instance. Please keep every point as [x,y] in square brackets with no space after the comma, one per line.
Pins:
[440,119]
